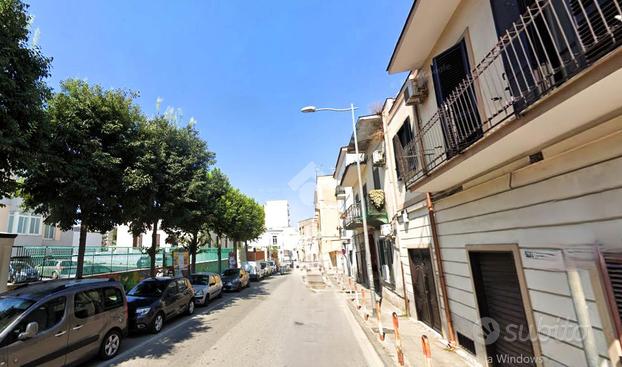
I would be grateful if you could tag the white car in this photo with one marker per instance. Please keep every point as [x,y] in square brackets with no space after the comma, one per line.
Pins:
[254,270]
[206,286]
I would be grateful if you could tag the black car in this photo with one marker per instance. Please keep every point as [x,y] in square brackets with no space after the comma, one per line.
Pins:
[154,300]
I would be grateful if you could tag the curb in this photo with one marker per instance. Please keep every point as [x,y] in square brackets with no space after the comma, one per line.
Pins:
[386,359]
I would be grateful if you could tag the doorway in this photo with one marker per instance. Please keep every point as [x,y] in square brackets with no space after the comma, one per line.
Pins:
[426,300]
[501,307]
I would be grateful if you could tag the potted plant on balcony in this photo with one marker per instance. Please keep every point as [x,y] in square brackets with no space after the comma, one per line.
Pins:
[376,198]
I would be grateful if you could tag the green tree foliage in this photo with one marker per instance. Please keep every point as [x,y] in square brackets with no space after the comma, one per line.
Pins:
[168,161]
[80,177]
[23,94]
[194,218]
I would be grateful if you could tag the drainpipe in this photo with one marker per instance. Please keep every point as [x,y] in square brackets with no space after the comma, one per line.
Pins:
[439,265]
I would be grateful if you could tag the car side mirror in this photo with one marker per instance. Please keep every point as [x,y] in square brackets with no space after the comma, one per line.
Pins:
[212,283]
[241,275]
[31,330]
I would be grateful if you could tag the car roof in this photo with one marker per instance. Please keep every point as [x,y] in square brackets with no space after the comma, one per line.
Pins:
[37,290]
[203,273]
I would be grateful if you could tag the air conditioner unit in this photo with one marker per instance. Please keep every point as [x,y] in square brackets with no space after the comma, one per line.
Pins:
[386,230]
[415,91]
[377,158]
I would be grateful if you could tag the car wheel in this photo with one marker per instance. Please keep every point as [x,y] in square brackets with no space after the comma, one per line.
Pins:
[207,299]
[190,308]
[220,294]
[110,345]
[157,323]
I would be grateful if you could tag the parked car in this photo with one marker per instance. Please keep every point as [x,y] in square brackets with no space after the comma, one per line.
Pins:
[265,267]
[272,265]
[206,286]
[155,300]
[145,261]
[62,322]
[254,270]
[22,272]
[56,269]
[284,269]
[235,279]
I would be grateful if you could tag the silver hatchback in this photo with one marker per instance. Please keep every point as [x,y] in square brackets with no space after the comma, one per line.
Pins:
[62,322]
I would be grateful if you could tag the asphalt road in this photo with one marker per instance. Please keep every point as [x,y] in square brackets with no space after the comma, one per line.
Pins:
[276,322]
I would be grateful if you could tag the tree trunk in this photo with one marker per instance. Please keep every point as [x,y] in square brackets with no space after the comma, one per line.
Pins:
[81,251]
[246,250]
[219,254]
[235,252]
[193,252]
[152,250]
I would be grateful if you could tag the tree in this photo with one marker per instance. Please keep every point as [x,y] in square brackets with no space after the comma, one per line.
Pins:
[241,218]
[194,218]
[79,179]
[161,176]
[23,94]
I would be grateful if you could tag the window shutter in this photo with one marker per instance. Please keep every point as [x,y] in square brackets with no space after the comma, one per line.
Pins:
[613,262]
[398,152]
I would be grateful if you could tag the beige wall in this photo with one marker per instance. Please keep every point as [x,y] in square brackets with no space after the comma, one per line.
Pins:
[570,200]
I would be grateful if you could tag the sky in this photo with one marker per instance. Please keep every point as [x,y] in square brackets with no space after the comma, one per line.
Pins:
[242,70]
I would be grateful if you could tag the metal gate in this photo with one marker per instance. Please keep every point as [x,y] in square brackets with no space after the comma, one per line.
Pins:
[426,301]
[501,307]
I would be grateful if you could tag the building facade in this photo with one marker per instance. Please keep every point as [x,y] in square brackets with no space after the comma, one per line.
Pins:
[327,219]
[308,248]
[505,154]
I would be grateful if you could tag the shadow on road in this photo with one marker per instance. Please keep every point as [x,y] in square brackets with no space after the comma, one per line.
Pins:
[141,346]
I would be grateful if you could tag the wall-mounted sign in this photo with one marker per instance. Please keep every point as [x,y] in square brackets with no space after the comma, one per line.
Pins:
[543,259]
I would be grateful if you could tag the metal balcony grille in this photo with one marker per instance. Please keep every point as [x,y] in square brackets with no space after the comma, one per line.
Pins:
[550,43]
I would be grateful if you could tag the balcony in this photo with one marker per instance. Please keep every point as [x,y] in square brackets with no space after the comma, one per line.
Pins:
[375,217]
[550,44]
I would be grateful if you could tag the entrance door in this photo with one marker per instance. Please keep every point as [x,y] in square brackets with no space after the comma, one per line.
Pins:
[373,246]
[501,308]
[426,301]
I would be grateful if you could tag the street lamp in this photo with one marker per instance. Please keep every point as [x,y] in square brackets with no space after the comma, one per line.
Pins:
[370,273]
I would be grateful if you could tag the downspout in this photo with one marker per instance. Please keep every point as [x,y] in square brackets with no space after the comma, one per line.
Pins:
[439,266]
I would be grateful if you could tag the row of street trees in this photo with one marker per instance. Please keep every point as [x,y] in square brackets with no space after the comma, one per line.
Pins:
[89,156]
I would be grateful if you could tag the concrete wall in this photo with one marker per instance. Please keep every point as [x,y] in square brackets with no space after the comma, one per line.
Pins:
[565,205]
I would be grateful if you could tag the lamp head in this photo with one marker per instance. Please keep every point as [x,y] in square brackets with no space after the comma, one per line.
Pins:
[308,109]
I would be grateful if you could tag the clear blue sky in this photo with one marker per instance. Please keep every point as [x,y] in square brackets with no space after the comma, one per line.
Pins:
[242,69]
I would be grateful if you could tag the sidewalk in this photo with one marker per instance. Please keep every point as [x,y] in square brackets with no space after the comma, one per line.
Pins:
[410,332]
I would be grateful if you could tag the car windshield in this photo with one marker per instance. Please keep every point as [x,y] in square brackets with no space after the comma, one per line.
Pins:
[199,279]
[230,272]
[148,289]
[11,308]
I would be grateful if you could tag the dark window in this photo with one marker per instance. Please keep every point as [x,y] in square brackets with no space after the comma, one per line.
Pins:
[46,316]
[404,160]
[466,343]
[171,288]
[460,119]
[113,298]
[376,174]
[87,303]
[386,261]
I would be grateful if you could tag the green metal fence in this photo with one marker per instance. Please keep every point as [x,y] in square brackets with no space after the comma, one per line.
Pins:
[61,261]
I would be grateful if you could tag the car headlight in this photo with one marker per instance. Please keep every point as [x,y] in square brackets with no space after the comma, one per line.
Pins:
[142,311]
[199,292]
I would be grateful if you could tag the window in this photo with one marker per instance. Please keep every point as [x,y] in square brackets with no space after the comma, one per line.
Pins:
[46,316]
[87,303]
[48,231]
[460,123]
[376,174]
[274,240]
[113,298]
[27,224]
[171,288]
[9,228]
[405,158]
[386,261]
[181,285]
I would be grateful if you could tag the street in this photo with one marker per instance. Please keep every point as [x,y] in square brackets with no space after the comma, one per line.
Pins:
[276,322]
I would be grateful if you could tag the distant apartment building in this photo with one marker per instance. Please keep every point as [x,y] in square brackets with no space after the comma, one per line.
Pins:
[277,214]
[280,240]
[32,231]
[308,249]
[330,244]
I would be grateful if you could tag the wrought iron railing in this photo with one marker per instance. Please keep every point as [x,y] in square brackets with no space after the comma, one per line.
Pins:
[550,43]
[353,215]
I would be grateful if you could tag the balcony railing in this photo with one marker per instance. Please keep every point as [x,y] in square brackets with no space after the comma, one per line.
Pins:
[354,219]
[550,43]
